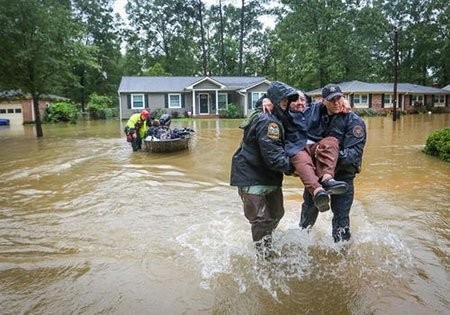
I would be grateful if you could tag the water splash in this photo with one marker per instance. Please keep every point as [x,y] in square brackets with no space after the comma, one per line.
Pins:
[223,248]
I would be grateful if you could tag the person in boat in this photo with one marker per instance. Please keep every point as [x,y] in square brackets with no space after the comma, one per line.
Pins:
[136,128]
[165,120]
[164,132]
[258,165]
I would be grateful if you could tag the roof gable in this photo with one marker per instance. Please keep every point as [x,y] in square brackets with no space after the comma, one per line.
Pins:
[206,80]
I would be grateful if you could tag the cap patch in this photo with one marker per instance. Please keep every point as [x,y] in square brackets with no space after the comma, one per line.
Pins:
[358,131]
[273,131]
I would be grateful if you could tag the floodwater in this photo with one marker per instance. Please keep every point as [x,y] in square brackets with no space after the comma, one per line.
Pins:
[89,227]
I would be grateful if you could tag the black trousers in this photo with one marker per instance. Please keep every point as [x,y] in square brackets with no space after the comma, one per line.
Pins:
[340,206]
[136,144]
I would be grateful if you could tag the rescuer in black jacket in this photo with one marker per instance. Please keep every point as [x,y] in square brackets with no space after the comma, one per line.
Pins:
[350,130]
[258,165]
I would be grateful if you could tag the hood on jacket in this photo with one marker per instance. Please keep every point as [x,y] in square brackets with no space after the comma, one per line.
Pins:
[278,90]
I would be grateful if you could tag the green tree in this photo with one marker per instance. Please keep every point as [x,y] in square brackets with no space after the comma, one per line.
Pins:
[38,47]
[166,31]
[101,38]
[311,34]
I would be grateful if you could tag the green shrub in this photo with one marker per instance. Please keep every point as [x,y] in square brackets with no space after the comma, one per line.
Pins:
[61,112]
[369,112]
[232,111]
[438,144]
[158,112]
[99,107]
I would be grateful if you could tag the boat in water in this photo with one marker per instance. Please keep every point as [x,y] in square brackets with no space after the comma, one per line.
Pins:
[166,145]
[176,140]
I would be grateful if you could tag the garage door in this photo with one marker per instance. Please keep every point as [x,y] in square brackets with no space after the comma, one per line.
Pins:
[13,112]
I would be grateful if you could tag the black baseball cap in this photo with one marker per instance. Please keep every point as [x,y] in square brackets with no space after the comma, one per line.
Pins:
[330,91]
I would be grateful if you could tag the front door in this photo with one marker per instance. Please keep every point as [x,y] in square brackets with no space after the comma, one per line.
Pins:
[204,103]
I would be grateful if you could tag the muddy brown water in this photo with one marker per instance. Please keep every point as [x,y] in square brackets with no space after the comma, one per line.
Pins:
[89,227]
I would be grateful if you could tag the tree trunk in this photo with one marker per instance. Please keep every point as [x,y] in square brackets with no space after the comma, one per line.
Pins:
[222,46]
[37,115]
[241,40]
[203,41]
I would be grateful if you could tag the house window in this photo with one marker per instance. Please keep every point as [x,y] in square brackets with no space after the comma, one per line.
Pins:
[174,100]
[439,100]
[388,99]
[417,99]
[10,110]
[18,110]
[223,100]
[137,101]
[255,97]
[361,100]
[2,111]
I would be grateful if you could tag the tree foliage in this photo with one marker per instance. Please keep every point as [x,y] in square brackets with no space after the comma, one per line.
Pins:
[78,47]
[38,46]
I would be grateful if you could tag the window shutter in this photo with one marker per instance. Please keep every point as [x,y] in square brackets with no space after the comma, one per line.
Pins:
[351,101]
[166,101]
[410,100]
[370,100]
[249,100]
[147,101]
[382,100]
[183,102]
[129,101]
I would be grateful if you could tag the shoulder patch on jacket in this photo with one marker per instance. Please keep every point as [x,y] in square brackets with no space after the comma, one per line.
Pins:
[358,131]
[273,131]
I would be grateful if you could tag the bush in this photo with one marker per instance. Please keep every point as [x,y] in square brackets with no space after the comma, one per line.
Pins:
[61,112]
[99,107]
[158,112]
[438,144]
[369,112]
[232,111]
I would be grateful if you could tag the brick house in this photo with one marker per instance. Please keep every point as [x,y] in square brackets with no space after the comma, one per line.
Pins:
[380,95]
[18,108]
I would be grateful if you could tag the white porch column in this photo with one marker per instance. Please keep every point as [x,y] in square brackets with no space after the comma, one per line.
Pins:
[120,107]
[193,102]
[217,102]
[245,104]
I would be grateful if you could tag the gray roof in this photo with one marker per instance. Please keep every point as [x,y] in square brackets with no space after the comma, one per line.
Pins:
[18,94]
[178,84]
[364,87]
[447,87]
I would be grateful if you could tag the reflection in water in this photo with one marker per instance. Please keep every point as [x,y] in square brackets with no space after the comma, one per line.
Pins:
[88,226]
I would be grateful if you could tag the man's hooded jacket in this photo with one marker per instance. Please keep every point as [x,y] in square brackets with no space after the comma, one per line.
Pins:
[261,158]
